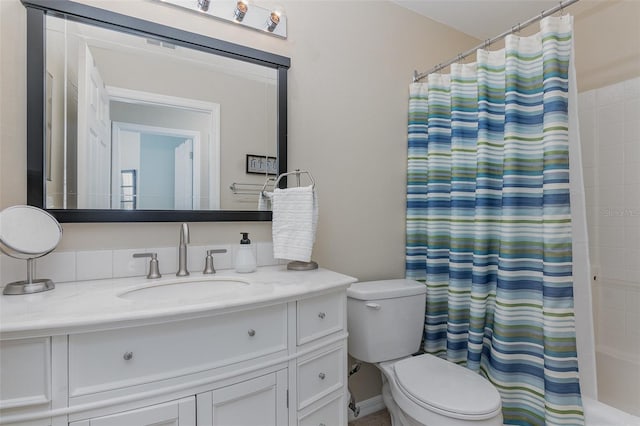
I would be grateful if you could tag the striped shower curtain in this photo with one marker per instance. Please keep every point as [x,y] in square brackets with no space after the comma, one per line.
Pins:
[489,222]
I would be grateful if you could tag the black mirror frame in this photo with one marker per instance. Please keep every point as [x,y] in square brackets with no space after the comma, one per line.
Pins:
[36,69]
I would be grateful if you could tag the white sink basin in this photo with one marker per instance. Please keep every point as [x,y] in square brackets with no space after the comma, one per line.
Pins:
[186,291]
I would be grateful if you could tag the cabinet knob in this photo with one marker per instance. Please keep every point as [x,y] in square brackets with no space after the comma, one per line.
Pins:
[322,376]
[128,356]
[251,332]
[321,315]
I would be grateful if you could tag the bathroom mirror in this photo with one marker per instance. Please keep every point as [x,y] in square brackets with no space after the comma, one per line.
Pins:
[130,120]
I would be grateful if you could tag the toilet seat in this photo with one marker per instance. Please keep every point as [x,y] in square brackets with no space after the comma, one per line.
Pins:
[442,387]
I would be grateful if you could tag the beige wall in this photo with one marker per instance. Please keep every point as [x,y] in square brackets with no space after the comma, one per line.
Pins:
[607,42]
[351,64]
[347,123]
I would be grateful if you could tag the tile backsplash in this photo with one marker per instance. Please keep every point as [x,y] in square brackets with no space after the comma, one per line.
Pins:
[67,266]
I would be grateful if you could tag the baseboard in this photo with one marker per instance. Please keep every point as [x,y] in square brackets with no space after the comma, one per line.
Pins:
[367,407]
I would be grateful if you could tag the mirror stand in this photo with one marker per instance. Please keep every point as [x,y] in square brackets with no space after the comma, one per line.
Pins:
[29,285]
[28,233]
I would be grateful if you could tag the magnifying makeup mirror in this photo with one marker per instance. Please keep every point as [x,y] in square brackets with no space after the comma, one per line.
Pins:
[27,233]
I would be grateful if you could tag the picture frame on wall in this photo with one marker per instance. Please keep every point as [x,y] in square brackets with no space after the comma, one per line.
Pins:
[262,165]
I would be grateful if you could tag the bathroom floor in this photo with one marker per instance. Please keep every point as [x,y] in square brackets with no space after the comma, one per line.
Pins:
[379,418]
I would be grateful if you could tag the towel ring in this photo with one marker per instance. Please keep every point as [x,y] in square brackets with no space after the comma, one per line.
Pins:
[266,183]
[297,172]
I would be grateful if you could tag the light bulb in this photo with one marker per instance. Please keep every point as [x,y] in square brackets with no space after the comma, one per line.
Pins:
[241,9]
[273,21]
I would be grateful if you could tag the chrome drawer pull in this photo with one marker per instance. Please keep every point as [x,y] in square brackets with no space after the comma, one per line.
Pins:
[321,315]
[251,332]
[128,356]
[322,376]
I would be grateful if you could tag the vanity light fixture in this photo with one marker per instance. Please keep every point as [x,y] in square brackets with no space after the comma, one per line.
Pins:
[203,5]
[246,13]
[273,21]
[242,6]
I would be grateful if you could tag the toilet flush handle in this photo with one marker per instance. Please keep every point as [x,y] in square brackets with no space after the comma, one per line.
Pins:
[372,306]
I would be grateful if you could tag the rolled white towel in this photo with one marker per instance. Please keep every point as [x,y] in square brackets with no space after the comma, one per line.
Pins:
[295,219]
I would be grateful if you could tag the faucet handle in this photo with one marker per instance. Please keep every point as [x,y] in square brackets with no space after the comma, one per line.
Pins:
[208,261]
[213,251]
[154,267]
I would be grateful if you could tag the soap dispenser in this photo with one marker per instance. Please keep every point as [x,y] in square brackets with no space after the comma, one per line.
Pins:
[245,261]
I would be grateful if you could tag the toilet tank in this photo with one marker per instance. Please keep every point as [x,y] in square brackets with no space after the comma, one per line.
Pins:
[385,319]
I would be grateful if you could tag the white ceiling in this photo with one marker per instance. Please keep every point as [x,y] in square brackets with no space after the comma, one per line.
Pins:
[481,19]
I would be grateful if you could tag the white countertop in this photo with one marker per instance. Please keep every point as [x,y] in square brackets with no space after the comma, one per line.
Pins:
[93,305]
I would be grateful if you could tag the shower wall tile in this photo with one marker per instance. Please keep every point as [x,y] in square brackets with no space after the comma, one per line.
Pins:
[586,100]
[632,198]
[632,88]
[588,136]
[632,303]
[632,266]
[610,94]
[612,176]
[610,140]
[631,110]
[632,170]
[632,131]
[613,237]
[611,115]
[589,177]
[612,297]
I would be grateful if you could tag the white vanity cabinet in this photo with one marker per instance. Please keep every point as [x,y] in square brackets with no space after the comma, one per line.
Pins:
[277,363]
[260,401]
[173,413]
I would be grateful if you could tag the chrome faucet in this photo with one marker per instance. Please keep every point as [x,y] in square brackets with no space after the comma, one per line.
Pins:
[182,251]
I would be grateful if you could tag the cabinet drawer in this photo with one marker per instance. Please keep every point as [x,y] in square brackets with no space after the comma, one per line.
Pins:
[25,377]
[113,359]
[320,375]
[319,316]
[329,414]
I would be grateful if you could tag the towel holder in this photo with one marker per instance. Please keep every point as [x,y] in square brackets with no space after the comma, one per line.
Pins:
[297,172]
[270,180]
[239,188]
[298,265]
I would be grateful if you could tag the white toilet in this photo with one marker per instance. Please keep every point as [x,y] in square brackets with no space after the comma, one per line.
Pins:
[385,321]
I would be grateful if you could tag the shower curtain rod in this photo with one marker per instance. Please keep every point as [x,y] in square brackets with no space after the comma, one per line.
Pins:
[560,7]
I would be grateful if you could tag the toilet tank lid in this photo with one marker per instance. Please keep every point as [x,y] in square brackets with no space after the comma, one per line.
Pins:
[385,289]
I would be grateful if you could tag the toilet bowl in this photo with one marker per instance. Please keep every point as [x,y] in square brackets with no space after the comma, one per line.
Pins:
[428,390]
[385,321]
